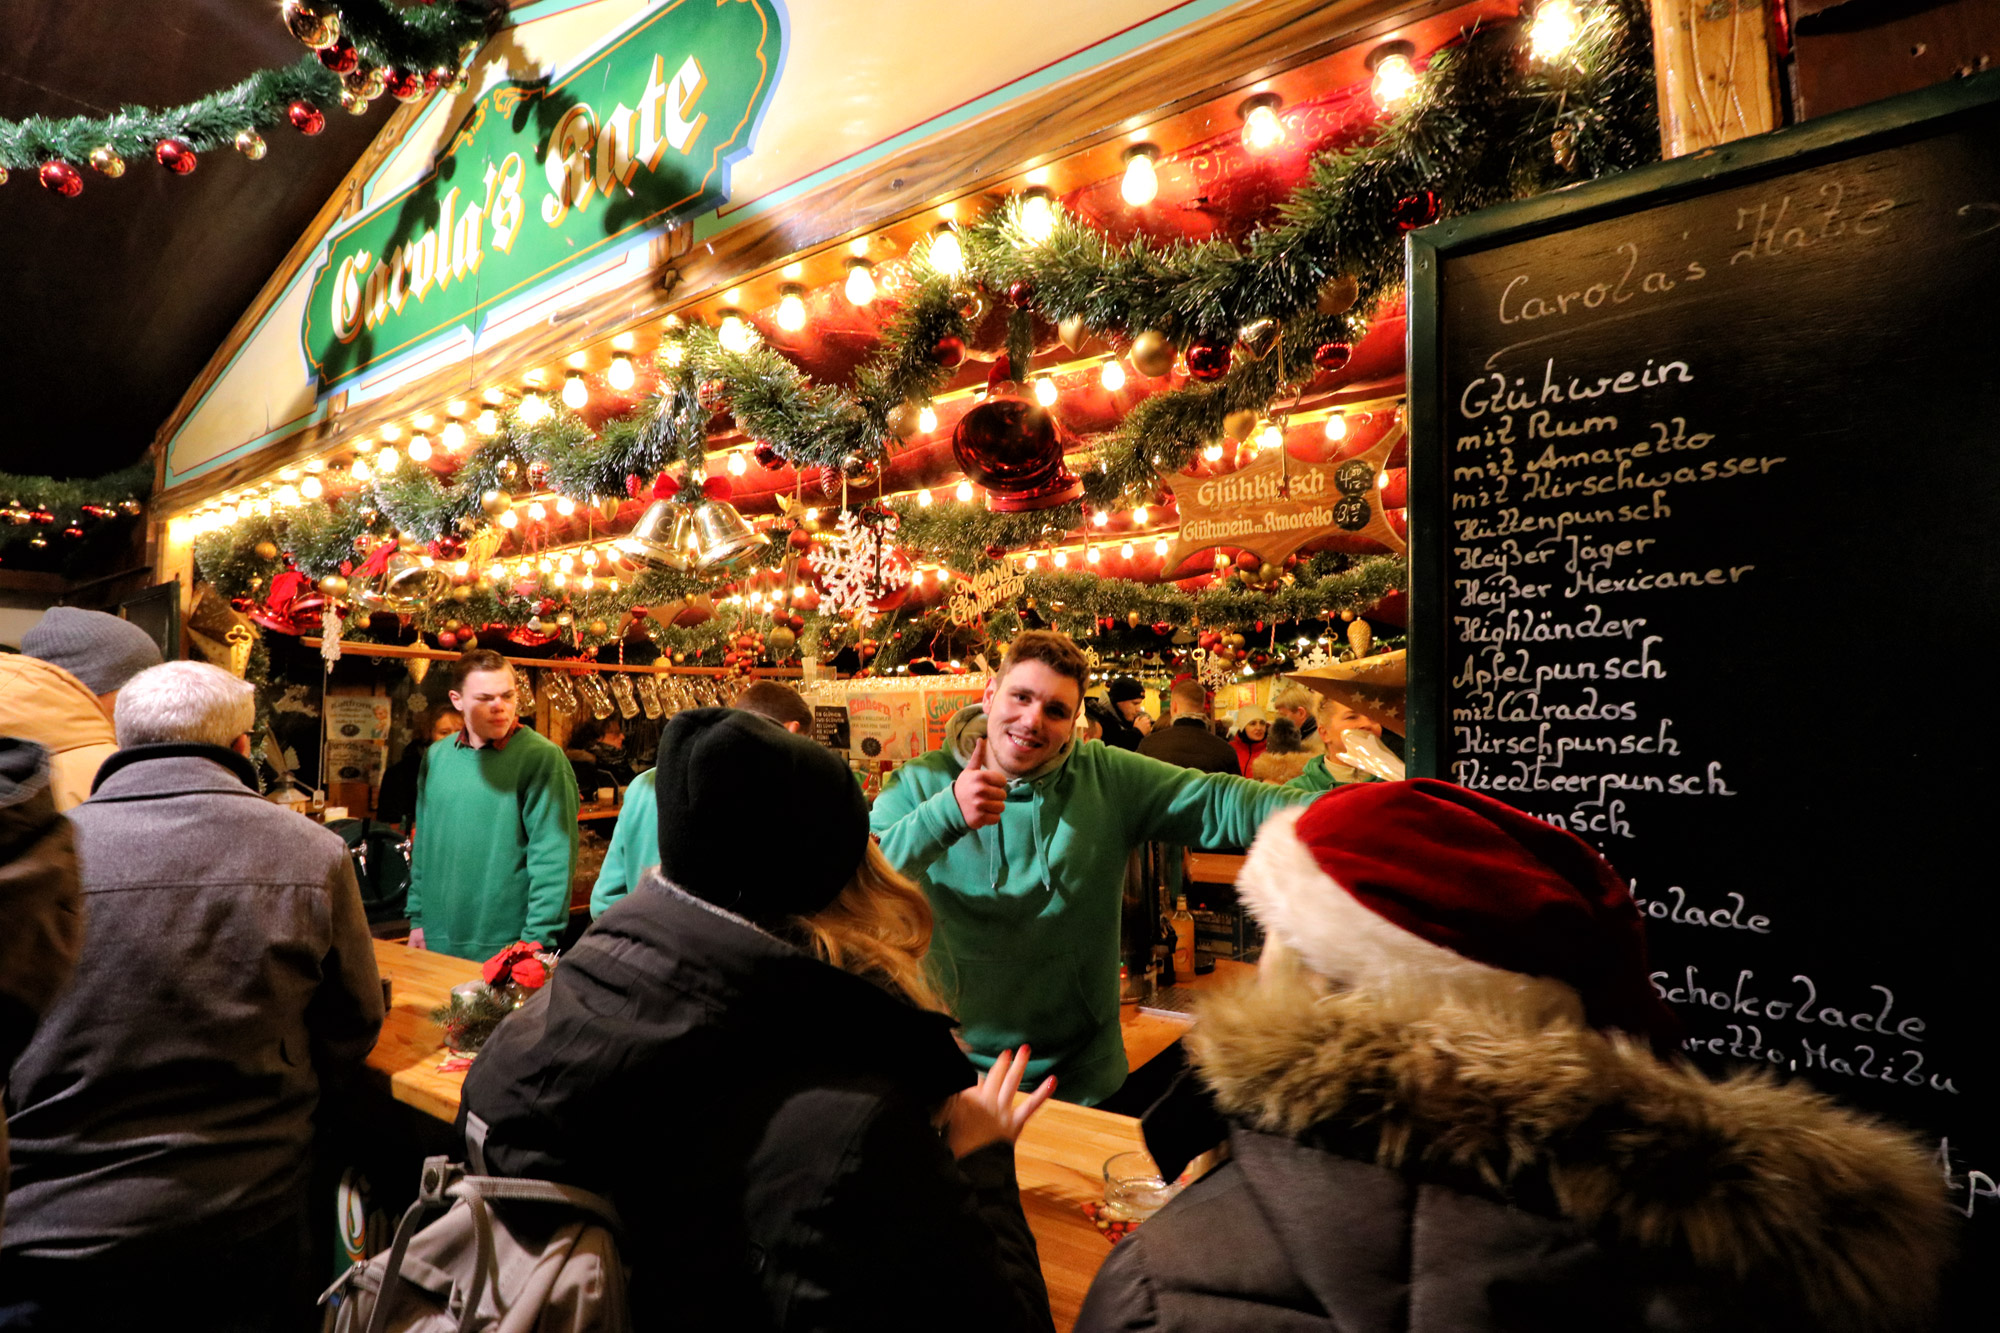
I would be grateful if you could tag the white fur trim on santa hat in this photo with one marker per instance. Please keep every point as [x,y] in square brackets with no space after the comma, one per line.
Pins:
[1346,942]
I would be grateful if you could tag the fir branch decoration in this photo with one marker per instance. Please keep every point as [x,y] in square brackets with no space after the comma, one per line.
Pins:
[66,503]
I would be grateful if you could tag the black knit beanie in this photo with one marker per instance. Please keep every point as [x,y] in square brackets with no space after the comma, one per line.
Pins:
[730,785]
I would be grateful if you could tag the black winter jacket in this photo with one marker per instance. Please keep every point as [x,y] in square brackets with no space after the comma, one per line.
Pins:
[1188,743]
[763,1122]
[1459,1173]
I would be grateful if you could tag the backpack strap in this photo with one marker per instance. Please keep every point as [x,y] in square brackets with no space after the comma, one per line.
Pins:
[539,1191]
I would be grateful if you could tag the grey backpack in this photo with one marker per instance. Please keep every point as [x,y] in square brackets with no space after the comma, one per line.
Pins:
[507,1256]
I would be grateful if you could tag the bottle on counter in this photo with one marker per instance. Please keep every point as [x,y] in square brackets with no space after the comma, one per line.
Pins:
[1182,924]
[1163,952]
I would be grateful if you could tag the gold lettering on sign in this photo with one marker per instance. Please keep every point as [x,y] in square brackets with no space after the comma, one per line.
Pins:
[984,591]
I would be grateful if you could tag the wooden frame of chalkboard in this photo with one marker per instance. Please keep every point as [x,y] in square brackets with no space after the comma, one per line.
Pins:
[1704,482]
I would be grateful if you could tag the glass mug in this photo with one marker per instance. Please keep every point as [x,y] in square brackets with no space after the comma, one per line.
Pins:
[1133,1187]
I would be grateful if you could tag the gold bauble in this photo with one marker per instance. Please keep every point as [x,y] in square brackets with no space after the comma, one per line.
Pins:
[1236,641]
[333,585]
[105,158]
[1072,332]
[607,507]
[1239,426]
[405,542]
[903,420]
[266,550]
[1132,619]
[463,592]
[1258,337]
[1151,354]
[496,503]
[315,29]
[599,627]
[367,84]
[1337,295]
[1360,637]
[968,303]
[353,104]
[251,144]
[360,619]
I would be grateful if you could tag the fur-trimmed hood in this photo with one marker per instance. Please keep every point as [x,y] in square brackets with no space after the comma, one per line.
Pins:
[1772,1185]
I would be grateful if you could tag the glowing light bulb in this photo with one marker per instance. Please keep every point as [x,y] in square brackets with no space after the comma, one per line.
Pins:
[1125,551]
[537,511]
[546,565]
[1045,390]
[964,492]
[1142,180]
[946,255]
[944,576]
[420,448]
[426,561]
[735,334]
[798,590]
[1213,452]
[612,585]
[559,579]
[1271,437]
[225,516]
[1262,130]
[588,582]
[1395,77]
[311,489]
[461,569]
[315,465]
[1061,559]
[860,281]
[737,467]
[1029,563]
[1093,555]
[1160,548]
[812,515]
[1100,518]
[485,423]
[621,376]
[263,509]
[1140,514]
[392,432]
[588,555]
[575,393]
[792,308]
[287,496]
[1554,29]
[359,471]
[496,572]
[534,409]
[1336,427]
[565,506]
[387,461]
[1112,376]
[924,498]
[510,519]
[1038,217]
[927,419]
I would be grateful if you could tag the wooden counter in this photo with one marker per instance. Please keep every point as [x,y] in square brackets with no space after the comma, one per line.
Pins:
[1060,1158]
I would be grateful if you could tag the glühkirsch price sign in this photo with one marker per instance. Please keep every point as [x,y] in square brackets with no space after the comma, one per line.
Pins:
[541,176]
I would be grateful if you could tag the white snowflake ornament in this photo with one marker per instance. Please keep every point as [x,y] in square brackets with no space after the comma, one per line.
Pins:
[858,564]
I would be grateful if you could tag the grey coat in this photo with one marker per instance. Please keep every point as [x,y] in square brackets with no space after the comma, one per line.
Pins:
[226,973]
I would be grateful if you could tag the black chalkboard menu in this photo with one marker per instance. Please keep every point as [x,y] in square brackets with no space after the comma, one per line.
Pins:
[1705,492]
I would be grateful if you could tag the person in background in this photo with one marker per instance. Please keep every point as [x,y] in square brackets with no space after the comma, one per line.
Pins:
[1247,732]
[496,834]
[776,1024]
[1127,699]
[60,690]
[596,752]
[635,842]
[41,908]
[1301,705]
[1188,742]
[1284,756]
[1020,840]
[1453,1099]
[163,1113]
[1324,770]
[397,802]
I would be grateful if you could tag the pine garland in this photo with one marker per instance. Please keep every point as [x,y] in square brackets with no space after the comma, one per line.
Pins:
[421,37]
[67,503]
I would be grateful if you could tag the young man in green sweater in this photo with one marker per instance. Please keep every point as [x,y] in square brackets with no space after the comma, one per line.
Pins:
[496,825]
[1325,772]
[1019,838]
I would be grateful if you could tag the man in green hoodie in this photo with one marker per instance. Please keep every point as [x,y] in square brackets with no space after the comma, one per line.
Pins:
[1019,838]
[1325,772]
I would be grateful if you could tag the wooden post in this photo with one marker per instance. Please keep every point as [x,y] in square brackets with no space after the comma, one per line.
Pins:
[1717,76]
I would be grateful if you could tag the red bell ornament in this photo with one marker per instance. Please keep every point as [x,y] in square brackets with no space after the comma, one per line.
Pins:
[1207,361]
[404,85]
[62,178]
[305,117]
[176,155]
[1415,210]
[1014,449]
[949,351]
[341,57]
[1333,355]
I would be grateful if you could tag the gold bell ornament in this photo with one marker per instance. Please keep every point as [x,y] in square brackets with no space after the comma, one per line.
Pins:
[662,538]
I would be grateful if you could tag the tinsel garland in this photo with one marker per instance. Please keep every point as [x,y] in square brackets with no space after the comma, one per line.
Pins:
[420,37]
[66,502]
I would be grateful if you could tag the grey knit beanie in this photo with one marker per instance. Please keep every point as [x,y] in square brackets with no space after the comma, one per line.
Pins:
[100,650]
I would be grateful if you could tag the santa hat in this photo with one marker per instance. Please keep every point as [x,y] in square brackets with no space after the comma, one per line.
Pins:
[1393,885]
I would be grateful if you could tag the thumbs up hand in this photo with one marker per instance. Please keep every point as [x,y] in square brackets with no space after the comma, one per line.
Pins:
[981,791]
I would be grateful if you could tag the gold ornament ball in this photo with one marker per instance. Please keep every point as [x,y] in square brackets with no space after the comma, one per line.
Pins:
[333,585]
[781,641]
[1238,426]
[405,542]
[352,104]
[266,550]
[599,627]
[315,29]
[361,619]
[1338,294]
[1132,619]
[3,175]
[1347,615]
[902,420]
[1360,637]
[565,618]
[367,84]
[496,503]
[1258,337]
[251,145]
[105,158]
[463,592]
[1236,641]
[1268,572]
[1151,354]
[968,303]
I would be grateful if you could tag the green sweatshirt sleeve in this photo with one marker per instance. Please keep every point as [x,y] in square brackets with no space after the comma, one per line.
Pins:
[413,901]
[1194,809]
[629,854]
[548,818]
[915,827]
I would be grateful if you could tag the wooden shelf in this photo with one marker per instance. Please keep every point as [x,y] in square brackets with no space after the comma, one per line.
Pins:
[564,663]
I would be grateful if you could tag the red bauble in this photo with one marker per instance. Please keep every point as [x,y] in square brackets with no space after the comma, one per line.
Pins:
[1208,361]
[718,489]
[447,639]
[341,57]
[1011,447]
[451,546]
[949,351]
[433,80]
[1162,628]
[713,395]
[996,552]
[1002,373]
[796,621]
[305,117]
[767,457]
[63,178]
[800,540]
[1245,560]
[1020,291]
[1415,210]
[176,155]
[1332,356]
[405,85]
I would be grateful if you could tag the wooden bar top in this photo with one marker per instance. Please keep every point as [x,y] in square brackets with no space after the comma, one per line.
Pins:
[1059,1159]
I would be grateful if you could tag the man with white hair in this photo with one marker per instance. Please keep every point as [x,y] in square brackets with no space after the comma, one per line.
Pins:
[163,1113]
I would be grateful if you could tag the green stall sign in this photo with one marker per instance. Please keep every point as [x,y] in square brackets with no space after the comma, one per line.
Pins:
[540,177]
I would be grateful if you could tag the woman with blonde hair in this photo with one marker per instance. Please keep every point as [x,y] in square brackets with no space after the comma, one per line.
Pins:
[745,1055]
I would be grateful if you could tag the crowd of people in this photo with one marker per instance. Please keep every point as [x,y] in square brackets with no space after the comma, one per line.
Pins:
[1449,1093]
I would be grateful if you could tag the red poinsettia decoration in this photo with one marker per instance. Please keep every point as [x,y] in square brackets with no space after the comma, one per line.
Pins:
[521,964]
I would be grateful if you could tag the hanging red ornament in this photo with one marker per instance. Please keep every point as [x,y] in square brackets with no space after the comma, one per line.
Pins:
[634,485]
[949,351]
[1207,360]
[62,178]
[1019,292]
[341,57]
[1162,627]
[996,552]
[713,394]
[1014,449]
[800,540]
[451,546]
[1332,356]
[305,117]
[718,489]
[434,79]
[176,155]
[405,85]
[1415,210]
[767,456]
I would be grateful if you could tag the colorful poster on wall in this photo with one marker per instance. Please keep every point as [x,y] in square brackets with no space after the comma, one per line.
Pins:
[830,728]
[887,725]
[941,701]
